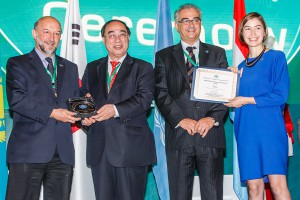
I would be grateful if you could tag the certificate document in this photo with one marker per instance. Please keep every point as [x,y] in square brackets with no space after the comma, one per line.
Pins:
[214,84]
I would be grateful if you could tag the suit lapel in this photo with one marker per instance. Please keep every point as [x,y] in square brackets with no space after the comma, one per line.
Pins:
[101,76]
[179,58]
[204,53]
[61,69]
[36,63]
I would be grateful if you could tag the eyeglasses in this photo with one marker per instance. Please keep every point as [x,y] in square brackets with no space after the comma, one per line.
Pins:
[114,36]
[187,21]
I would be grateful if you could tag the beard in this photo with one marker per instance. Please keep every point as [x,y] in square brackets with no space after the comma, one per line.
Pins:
[44,49]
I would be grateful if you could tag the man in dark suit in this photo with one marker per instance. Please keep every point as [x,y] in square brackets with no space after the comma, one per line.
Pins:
[120,144]
[40,148]
[194,130]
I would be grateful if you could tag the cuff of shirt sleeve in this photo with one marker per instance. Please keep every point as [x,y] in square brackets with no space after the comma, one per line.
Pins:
[216,123]
[116,112]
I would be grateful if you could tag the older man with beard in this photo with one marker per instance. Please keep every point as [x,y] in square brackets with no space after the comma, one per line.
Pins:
[40,149]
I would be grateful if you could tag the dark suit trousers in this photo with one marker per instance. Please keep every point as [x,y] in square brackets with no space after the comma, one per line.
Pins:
[209,163]
[119,183]
[25,180]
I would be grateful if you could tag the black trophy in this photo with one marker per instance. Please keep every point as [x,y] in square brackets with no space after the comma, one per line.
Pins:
[82,106]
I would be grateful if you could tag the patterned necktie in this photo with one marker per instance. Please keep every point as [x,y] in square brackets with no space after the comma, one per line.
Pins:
[113,74]
[189,65]
[50,66]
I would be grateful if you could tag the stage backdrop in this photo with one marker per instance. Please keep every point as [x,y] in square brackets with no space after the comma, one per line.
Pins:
[17,18]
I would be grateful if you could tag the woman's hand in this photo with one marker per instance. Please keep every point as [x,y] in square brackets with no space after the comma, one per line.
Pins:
[238,102]
[236,70]
[233,69]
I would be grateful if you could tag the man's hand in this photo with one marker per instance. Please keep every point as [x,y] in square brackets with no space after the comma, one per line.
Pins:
[64,115]
[105,112]
[87,121]
[204,125]
[188,125]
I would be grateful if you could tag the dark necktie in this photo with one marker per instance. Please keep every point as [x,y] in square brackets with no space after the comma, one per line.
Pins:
[189,65]
[113,74]
[50,66]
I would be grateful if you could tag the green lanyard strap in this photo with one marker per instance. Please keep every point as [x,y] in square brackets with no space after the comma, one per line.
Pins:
[110,77]
[190,59]
[53,77]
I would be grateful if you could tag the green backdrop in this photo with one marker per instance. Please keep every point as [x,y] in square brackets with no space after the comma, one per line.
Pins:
[17,18]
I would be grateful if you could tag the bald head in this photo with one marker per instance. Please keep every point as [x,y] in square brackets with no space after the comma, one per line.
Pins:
[47,33]
[46,18]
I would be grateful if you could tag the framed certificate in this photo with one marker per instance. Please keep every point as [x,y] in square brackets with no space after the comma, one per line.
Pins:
[215,85]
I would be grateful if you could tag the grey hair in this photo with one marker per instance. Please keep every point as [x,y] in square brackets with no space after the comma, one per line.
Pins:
[185,6]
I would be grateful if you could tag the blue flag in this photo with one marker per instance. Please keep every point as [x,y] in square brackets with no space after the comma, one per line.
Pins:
[163,33]
[240,188]
[163,39]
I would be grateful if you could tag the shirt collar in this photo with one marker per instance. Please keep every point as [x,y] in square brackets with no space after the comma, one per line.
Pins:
[196,51]
[42,57]
[185,45]
[120,60]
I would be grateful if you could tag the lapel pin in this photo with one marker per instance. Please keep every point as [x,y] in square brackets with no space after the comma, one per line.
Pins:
[206,51]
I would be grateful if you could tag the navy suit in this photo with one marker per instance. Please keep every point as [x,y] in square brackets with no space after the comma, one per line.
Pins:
[126,141]
[35,135]
[39,146]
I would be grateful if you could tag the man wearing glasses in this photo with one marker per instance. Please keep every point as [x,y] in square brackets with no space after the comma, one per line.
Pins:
[195,138]
[120,144]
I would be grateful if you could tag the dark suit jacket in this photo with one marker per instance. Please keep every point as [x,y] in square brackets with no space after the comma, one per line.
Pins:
[31,99]
[172,96]
[127,140]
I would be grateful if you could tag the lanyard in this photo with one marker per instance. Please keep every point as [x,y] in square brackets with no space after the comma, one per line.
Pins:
[53,77]
[190,59]
[110,77]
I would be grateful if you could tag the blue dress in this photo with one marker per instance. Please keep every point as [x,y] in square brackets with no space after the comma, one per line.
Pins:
[260,132]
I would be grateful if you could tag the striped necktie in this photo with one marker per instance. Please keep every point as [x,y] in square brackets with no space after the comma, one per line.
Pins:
[113,74]
[50,66]
[189,65]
